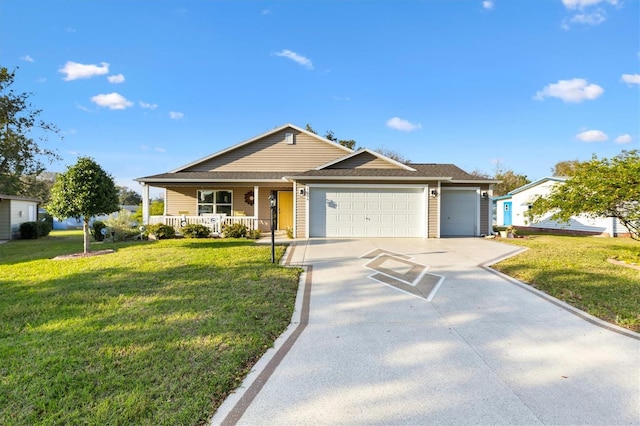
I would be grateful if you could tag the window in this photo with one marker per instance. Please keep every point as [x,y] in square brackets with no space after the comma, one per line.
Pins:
[214,202]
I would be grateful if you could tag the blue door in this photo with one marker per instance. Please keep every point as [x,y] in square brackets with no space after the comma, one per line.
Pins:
[506,218]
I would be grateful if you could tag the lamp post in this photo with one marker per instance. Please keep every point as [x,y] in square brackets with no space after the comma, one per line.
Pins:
[272,203]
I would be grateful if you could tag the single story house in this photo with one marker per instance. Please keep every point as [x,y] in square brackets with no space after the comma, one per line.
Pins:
[15,210]
[322,189]
[510,210]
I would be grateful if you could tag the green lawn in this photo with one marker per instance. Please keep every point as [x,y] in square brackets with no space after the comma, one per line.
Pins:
[575,270]
[155,333]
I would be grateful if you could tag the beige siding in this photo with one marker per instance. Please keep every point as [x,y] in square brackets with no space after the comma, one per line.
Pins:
[485,206]
[5,223]
[301,214]
[433,214]
[272,153]
[364,161]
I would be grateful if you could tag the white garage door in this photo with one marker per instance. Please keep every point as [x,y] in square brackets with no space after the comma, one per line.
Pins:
[363,212]
[459,213]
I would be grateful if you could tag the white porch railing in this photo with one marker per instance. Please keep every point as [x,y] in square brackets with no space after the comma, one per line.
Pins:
[215,222]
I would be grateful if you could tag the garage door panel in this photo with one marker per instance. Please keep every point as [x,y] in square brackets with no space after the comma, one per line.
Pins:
[375,212]
[459,213]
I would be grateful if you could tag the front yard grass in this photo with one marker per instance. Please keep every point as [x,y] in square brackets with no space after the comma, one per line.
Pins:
[576,270]
[155,333]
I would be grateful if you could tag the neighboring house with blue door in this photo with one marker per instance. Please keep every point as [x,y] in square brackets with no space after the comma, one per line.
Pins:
[511,209]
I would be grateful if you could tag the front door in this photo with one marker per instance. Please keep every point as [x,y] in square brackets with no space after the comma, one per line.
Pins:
[507,218]
[285,209]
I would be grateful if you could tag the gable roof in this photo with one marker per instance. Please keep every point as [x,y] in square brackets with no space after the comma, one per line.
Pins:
[418,172]
[361,152]
[18,198]
[255,138]
[536,183]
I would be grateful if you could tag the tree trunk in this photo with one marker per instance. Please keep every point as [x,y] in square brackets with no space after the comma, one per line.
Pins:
[87,234]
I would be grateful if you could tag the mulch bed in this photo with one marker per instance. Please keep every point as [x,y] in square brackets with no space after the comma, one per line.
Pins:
[81,255]
[621,263]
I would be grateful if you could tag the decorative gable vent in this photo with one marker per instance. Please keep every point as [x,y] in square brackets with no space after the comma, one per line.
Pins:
[288,137]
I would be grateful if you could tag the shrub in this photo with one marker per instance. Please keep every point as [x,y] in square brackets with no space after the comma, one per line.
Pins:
[254,234]
[290,233]
[96,230]
[29,230]
[236,230]
[161,231]
[44,228]
[122,224]
[195,230]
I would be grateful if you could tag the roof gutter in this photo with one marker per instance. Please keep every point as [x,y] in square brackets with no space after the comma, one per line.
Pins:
[387,178]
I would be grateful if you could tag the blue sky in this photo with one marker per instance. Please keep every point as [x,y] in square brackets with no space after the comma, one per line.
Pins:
[144,87]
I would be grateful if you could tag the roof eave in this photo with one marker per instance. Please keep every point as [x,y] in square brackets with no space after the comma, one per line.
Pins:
[181,181]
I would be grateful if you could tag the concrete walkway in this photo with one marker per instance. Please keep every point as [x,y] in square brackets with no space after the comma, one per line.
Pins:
[484,350]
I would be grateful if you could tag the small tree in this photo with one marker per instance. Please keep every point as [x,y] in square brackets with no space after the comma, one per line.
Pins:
[598,188]
[84,190]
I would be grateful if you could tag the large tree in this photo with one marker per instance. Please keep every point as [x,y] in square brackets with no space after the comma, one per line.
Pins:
[565,168]
[598,188]
[349,143]
[129,197]
[21,156]
[510,180]
[82,191]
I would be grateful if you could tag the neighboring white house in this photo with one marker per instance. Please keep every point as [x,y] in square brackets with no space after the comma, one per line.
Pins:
[15,210]
[510,209]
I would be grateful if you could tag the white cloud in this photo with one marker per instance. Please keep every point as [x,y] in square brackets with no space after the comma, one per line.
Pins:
[84,108]
[581,4]
[176,115]
[592,136]
[574,90]
[398,123]
[626,138]
[305,62]
[593,18]
[74,70]
[631,78]
[111,101]
[27,58]
[488,4]
[265,12]
[159,149]
[146,105]
[116,79]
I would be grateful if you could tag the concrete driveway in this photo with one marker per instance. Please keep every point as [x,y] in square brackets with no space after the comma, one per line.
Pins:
[470,347]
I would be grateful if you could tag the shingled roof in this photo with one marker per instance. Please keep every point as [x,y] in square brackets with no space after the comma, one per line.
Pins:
[442,172]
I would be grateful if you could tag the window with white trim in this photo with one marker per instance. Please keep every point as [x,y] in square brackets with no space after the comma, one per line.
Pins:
[214,202]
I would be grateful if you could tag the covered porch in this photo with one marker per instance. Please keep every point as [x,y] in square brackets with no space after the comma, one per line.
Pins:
[216,204]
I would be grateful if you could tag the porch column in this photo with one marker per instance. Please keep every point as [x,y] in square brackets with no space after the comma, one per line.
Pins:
[145,203]
[256,190]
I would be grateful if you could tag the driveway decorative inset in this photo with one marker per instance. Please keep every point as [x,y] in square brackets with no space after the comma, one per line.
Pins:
[398,271]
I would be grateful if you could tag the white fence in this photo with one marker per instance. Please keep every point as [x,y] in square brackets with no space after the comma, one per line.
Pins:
[215,222]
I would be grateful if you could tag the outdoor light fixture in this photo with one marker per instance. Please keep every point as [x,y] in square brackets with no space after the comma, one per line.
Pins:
[484,194]
[434,193]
